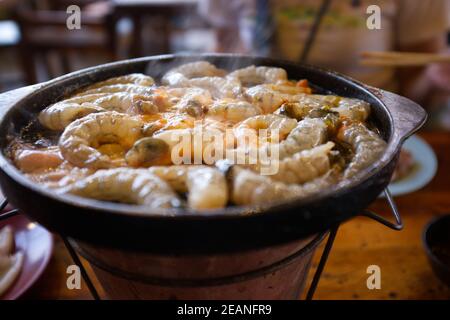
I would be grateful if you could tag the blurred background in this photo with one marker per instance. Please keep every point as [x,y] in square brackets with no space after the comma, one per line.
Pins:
[36,43]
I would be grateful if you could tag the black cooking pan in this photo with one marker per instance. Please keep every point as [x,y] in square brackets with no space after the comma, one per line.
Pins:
[229,229]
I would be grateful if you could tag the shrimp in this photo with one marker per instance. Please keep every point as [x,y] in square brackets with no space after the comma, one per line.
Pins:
[61,176]
[305,165]
[33,160]
[296,106]
[233,110]
[80,138]
[57,116]
[131,103]
[276,125]
[307,134]
[132,186]
[62,113]
[349,108]
[218,87]
[206,186]
[169,121]
[297,110]
[353,109]
[121,87]
[256,75]
[367,146]
[133,78]
[206,142]
[287,88]
[266,99]
[181,75]
[194,102]
[250,188]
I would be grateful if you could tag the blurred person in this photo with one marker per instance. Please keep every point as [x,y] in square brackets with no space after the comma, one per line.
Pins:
[281,28]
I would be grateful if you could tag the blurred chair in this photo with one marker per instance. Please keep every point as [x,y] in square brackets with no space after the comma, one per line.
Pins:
[9,40]
[152,22]
[45,36]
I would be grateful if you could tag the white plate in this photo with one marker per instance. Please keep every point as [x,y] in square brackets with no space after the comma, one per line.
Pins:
[425,157]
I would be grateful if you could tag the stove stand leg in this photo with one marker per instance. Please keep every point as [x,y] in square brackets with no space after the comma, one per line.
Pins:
[8,214]
[322,262]
[84,274]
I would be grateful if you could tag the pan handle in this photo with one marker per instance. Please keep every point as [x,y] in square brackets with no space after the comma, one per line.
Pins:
[398,225]
[407,115]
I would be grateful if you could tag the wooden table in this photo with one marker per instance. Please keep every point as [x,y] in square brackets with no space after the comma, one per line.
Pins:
[405,272]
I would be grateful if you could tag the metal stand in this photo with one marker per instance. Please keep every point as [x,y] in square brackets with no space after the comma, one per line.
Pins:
[7,214]
[322,262]
[398,225]
[83,271]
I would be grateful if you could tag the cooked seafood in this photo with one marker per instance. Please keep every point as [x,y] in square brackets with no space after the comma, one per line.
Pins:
[219,87]
[301,105]
[256,75]
[200,143]
[133,186]
[133,78]
[30,160]
[248,187]
[278,127]
[194,102]
[232,110]
[266,99]
[181,75]
[80,139]
[206,186]
[201,137]
[305,165]
[307,134]
[59,115]
[367,147]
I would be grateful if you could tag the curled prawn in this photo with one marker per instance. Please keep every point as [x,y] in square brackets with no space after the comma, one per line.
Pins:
[58,115]
[80,139]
